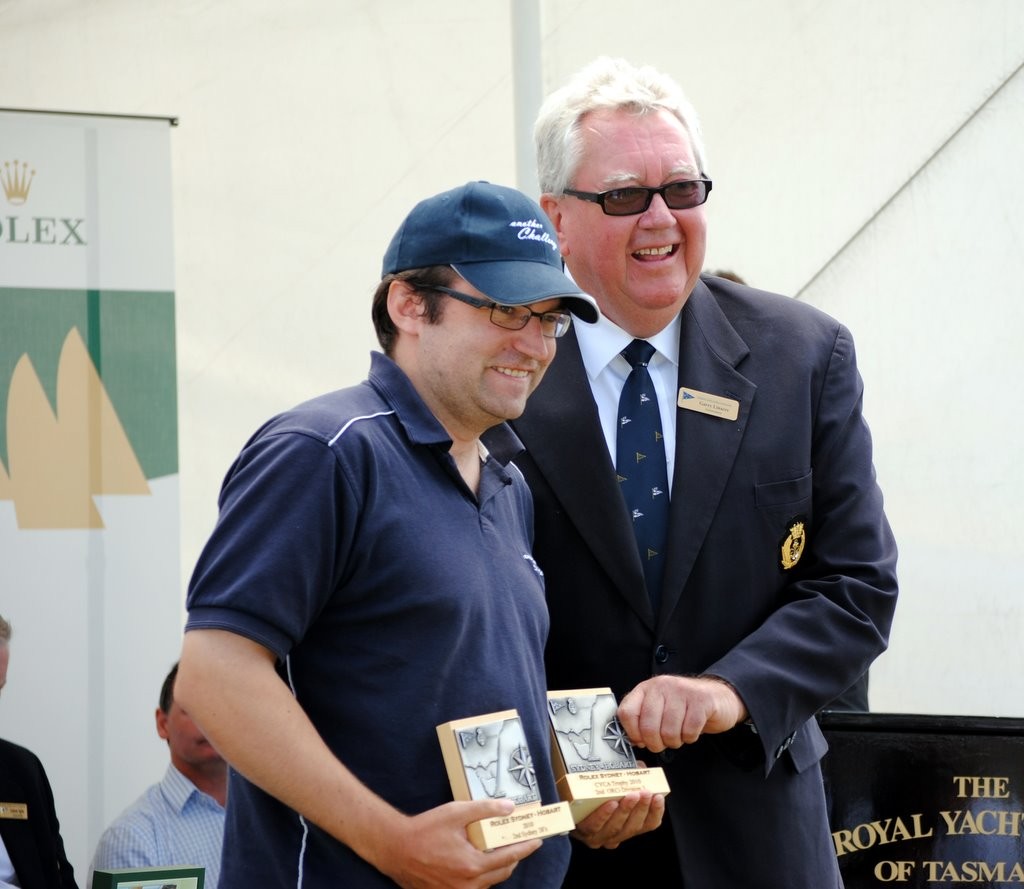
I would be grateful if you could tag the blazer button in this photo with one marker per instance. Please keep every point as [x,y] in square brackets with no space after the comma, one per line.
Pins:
[785,745]
[661,654]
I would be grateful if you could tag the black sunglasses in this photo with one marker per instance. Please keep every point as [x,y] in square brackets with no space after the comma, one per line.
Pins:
[637,198]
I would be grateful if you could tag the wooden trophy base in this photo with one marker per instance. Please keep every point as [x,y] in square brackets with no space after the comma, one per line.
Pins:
[525,823]
[586,791]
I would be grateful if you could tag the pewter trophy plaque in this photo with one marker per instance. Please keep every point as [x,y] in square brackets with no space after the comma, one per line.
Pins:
[592,758]
[487,757]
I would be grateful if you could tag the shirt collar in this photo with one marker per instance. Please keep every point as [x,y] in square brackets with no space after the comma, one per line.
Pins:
[602,341]
[420,425]
[177,788]
[502,444]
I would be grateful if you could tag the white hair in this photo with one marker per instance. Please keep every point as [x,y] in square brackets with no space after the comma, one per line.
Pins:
[606,84]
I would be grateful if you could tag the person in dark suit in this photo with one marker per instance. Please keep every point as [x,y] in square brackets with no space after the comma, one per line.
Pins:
[855,698]
[770,584]
[31,849]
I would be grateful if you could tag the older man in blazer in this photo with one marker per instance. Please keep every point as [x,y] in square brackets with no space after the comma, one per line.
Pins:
[777,573]
[31,851]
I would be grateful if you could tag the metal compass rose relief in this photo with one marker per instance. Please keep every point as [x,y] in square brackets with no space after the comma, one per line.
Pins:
[615,737]
[521,767]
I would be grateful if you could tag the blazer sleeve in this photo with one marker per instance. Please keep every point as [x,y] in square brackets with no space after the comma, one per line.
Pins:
[834,613]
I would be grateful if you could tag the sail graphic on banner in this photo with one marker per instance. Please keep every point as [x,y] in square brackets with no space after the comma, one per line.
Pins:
[58,460]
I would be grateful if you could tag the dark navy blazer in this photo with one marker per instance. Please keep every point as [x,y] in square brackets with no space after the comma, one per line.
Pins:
[747,808]
[33,844]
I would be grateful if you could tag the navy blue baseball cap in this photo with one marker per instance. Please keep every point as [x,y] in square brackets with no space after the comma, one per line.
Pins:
[496,238]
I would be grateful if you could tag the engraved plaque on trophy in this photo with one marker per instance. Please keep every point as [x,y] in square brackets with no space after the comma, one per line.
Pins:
[592,758]
[487,757]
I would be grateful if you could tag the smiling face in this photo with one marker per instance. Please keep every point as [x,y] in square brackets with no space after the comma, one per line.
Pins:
[471,373]
[642,268]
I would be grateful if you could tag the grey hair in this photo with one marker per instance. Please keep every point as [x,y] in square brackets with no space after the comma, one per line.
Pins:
[606,84]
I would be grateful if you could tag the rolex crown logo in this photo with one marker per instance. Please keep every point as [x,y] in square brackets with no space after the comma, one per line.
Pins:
[16,179]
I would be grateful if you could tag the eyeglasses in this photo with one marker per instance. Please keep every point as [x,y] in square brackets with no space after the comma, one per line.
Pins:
[636,199]
[552,324]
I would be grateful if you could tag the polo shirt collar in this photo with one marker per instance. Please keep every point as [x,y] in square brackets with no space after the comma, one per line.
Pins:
[419,424]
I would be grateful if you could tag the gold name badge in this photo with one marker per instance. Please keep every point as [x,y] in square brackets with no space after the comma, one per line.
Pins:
[14,811]
[706,403]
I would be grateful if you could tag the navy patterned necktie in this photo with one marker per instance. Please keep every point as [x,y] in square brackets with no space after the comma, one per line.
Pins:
[640,464]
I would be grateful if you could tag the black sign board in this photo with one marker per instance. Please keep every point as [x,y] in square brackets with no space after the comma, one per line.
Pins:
[926,800]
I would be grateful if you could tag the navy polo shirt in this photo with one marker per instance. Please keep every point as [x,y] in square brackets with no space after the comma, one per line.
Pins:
[395,600]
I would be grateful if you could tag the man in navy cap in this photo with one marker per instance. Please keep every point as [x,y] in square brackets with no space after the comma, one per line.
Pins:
[370,575]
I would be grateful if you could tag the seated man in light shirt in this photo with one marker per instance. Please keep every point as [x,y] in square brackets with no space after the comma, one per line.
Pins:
[179,821]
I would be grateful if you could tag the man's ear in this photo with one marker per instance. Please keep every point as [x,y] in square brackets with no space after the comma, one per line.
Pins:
[553,207]
[405,307]
[161,723]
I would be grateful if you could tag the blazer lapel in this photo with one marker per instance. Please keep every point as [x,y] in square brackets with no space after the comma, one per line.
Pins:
[706,446]
[562,433]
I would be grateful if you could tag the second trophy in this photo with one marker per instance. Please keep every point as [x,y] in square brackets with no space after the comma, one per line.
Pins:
[592,758]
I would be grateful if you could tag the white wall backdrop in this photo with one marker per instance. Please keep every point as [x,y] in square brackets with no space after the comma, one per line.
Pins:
[864,156]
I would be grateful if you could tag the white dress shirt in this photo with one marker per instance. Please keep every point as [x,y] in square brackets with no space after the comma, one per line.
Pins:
[600,345]
[8,878]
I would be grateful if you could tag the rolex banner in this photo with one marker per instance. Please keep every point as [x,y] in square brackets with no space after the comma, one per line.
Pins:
[89,503]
